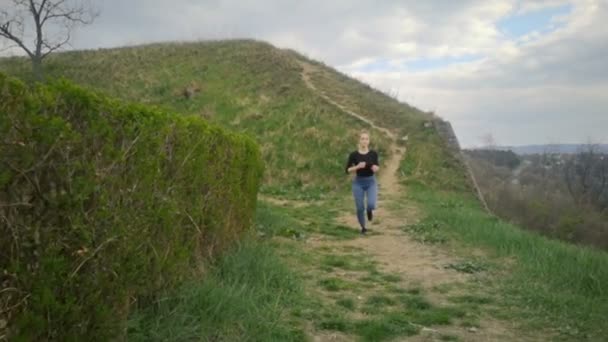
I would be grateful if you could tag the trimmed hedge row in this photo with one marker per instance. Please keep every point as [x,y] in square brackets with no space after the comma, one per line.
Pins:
[104,204]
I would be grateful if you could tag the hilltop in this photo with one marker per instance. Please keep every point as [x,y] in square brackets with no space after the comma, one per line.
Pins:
[255,88]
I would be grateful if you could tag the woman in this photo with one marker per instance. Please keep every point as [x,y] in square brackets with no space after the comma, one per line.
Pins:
[365,163]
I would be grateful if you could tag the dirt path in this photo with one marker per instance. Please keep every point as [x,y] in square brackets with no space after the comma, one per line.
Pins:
[307,70]
[395,251]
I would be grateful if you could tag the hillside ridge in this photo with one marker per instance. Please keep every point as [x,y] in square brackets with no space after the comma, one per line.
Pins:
[443,128]
[388,245]
[254,88]
[446,131]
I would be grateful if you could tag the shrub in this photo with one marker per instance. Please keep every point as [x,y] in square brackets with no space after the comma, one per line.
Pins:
[104,204]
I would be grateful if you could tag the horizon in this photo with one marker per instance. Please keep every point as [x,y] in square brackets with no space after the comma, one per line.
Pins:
[525,73]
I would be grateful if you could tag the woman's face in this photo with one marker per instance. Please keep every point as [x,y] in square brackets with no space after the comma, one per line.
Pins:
[364,140]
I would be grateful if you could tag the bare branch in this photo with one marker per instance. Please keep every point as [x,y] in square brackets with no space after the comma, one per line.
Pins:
[2,205]
[62,12]
[51,48]
[50,10]
[8,47]
[79,14]
[7,32]
[603,174]
[91,256]
[569,180]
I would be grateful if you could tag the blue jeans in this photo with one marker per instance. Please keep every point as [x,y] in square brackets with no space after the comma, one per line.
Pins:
[361,186]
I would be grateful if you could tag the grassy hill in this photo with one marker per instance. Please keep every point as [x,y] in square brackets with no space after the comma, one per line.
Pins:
[435,263]
[255,88]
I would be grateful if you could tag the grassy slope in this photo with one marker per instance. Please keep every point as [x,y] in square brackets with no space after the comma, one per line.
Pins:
[427,161]
[548,284]
[247,86]
[246,296]
[255,88]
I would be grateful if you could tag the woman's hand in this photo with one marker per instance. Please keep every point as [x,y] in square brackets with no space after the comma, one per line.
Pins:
[375,168]
[361,165]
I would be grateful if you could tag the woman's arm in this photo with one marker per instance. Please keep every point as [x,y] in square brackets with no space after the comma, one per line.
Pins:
[351,164]
[352,168]
[375,163]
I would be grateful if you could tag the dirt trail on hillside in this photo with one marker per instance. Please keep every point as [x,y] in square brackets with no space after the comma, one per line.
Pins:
[307,70]
[395,251]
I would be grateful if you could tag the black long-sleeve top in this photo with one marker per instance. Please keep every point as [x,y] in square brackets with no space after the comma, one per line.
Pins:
[370,158]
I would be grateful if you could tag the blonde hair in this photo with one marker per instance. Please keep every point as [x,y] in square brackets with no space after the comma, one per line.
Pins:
[366,132]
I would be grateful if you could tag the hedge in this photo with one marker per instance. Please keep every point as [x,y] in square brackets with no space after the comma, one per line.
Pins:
[104,204]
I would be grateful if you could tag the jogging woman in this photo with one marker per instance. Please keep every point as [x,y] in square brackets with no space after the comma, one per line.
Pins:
[364,162]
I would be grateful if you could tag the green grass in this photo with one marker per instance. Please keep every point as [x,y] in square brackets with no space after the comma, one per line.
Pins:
[449,338]
[335,323]
[297,192]
[414,309]
[385,327]
[334,284]
[468,266]
[415,302]
[244,296]
[544,282]
[318,218]
[471,299]
[350,262]
[470,322]
[391,278]
[370,279]
[277,221]
[431,164]
[444,288]
[340,261]
[414,291]
[436,316]
[338,231]
[347,303]
[380,301]
[427,232]
[391,288]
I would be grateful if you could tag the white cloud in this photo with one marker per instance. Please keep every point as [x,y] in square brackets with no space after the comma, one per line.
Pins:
[548,89]
[513,90]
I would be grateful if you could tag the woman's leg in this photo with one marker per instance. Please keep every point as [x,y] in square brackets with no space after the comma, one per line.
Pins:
[372,197]
[358,194]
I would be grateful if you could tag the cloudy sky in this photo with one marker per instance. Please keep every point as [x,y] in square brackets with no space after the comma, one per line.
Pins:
[529,71]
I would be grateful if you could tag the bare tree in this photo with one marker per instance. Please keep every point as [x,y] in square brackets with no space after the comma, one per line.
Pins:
[488,141]
[546,162]
[50,27]
[586,176]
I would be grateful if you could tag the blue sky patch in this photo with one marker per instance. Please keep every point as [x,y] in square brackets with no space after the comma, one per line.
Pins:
[418,64]
[422,64]
[519,25]
[377,65]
